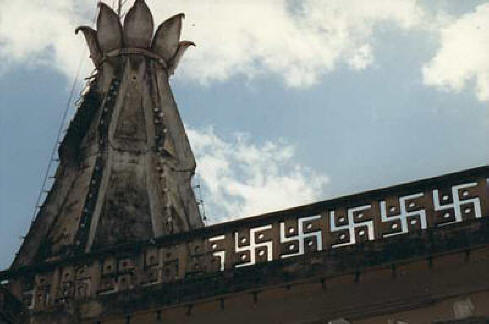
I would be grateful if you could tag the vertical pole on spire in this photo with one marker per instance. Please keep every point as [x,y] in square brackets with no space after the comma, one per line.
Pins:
[119,8]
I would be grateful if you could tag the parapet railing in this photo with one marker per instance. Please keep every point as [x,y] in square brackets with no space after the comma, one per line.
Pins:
[327,225]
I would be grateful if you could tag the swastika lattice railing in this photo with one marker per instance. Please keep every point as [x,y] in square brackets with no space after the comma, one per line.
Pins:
[382,214]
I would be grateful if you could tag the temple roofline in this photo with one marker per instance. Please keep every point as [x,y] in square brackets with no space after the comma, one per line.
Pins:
[321,268]
[276,216]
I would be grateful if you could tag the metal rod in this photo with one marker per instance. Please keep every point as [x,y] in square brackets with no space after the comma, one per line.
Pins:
[119,8]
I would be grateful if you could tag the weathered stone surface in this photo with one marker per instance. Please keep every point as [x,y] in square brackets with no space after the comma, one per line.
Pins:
[11,309]
[138,26]
[126,163]
[109,29]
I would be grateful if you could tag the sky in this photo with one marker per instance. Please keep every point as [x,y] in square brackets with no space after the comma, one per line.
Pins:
[285,102]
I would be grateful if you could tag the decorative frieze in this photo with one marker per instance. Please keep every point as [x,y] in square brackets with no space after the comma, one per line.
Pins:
[402,216]
[351,225]
[301,236]
[457,204]
[98,169]
[277,236]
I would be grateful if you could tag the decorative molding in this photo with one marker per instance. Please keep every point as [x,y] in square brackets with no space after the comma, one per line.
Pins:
[436,203]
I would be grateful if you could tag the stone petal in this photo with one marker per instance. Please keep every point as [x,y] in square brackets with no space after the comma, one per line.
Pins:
[138,26]
[109,29]
[165,42]
[173,63]
[91,39]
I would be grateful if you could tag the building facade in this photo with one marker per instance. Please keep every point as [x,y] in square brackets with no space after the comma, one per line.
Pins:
[119,238]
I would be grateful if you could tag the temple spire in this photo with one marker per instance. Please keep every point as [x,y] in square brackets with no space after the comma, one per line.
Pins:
[125,163]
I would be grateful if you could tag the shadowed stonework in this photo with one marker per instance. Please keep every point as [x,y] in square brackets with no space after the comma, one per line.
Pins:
[125,163]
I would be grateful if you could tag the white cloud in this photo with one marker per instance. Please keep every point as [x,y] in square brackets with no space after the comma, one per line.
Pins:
[36,32]
[463,56]
[242,179]
[297,40]
[362,58]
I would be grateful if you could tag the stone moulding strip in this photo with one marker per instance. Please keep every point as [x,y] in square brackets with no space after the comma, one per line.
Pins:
[136,50]
[89,207]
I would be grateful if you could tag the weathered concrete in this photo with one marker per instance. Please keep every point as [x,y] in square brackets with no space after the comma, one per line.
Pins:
[125,163]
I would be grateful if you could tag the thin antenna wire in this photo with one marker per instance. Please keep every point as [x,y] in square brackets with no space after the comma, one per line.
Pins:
[119,8]
[52,157]
[200,201]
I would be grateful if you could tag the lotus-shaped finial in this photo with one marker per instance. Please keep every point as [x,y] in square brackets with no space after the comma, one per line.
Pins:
[136,36]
